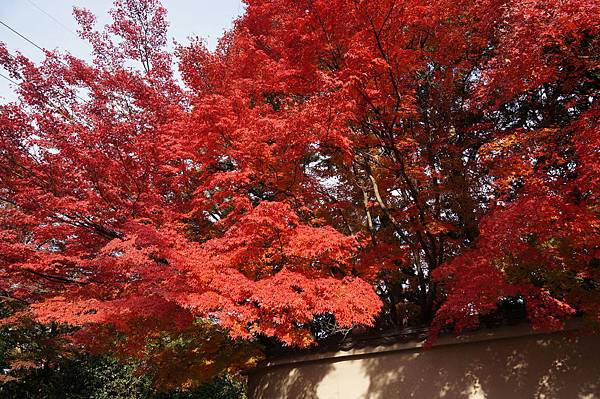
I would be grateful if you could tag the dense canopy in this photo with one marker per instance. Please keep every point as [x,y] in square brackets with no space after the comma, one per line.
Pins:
[333,163]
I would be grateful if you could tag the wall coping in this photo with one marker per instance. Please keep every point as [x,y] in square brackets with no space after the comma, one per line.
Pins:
[505,332]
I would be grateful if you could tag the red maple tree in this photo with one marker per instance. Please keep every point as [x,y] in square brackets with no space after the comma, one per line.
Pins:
[332,163]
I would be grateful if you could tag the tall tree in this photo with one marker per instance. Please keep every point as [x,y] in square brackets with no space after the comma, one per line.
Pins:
[330,164]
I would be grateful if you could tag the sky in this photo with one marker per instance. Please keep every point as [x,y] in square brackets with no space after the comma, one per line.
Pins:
[50,24]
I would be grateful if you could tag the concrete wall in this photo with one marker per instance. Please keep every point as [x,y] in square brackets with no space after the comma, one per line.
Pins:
[504,364]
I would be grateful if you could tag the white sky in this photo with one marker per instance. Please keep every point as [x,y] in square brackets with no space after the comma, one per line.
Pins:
[50,24]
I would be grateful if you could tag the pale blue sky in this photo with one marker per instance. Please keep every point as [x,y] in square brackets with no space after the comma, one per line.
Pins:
[37,19]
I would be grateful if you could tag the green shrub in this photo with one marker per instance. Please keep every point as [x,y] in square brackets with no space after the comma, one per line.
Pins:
[88,377]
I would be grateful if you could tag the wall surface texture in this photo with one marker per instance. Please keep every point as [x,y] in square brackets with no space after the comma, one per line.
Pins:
[502,364]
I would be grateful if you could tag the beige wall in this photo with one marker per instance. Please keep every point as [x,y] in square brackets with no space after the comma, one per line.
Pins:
[508,363]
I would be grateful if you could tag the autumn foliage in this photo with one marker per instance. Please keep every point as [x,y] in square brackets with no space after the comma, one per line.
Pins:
[331,164]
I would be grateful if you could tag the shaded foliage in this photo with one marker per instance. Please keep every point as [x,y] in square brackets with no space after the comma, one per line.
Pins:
[88,377]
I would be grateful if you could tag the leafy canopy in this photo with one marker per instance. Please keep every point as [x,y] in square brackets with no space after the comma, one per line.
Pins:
[331,164]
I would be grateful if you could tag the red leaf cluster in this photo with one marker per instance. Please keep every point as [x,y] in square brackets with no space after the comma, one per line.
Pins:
[379,162]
